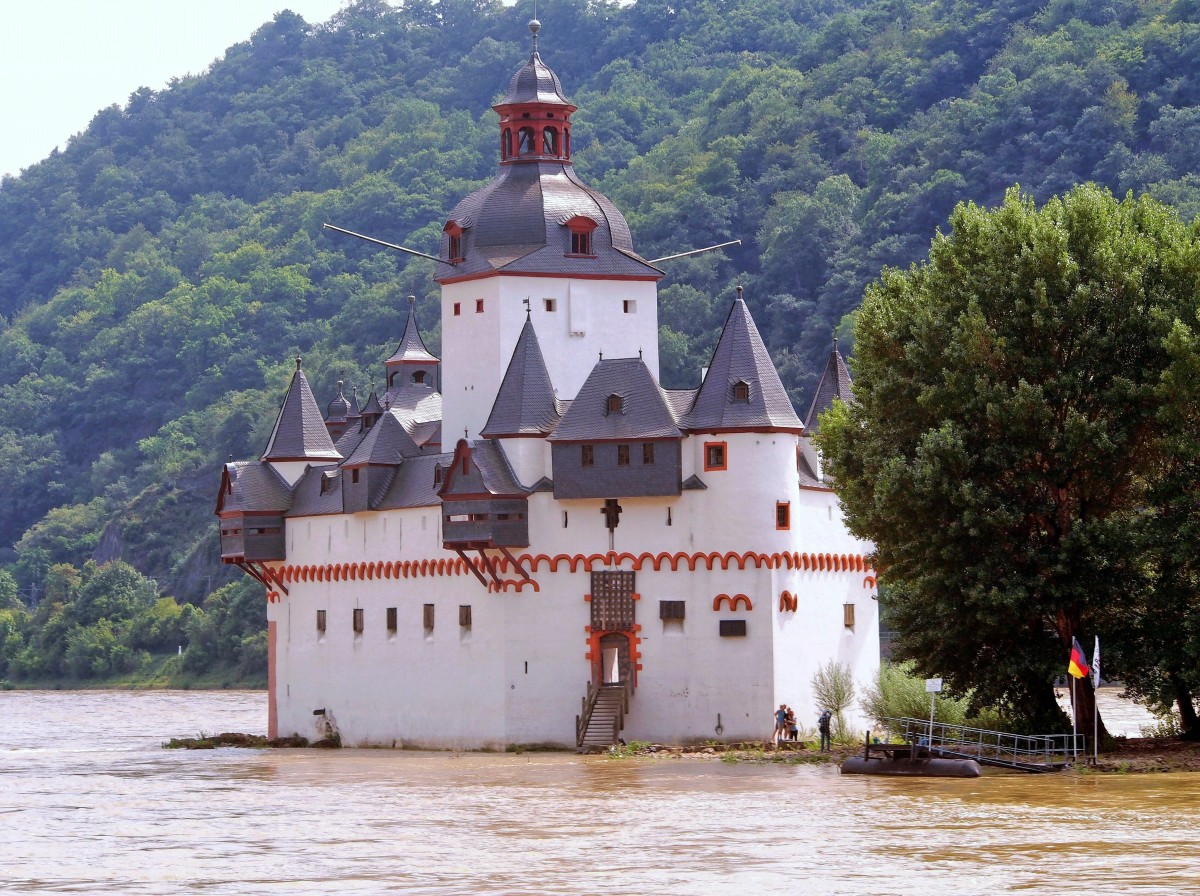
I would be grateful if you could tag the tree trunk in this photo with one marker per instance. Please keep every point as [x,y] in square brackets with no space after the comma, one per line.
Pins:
[1086,711]
[1189,725]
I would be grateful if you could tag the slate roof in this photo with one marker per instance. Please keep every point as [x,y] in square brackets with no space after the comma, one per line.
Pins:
[412,348]
[807,475]
[255,486]
[338,408]
[517,224]
[834,384]
[300,432]
[385,443]
[307,499]
[534,82]
[414,485]
[644,412]
[525,403]
[741,356]
[497,473]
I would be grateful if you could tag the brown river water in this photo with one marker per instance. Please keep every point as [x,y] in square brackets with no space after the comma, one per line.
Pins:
[91,803]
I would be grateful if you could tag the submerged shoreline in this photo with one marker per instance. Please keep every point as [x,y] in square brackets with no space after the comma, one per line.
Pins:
[1137,755]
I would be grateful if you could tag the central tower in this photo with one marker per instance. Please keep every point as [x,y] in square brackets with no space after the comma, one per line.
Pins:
[537,242]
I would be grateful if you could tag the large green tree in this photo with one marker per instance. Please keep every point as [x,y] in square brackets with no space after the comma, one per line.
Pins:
[1007,431]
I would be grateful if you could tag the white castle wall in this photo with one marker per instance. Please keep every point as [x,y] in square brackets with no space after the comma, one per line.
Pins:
[590,317]
[518,674]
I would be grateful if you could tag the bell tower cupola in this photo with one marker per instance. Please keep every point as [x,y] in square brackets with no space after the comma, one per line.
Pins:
[535,117]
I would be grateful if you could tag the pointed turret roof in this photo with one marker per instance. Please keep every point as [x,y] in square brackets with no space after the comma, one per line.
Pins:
[835,383]
[525,404]
[412,348]
[742,389]
[300,432]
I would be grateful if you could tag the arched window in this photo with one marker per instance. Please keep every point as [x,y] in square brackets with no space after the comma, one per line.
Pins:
[581,235]
[419,376]
[550,141]
[566,143]
[525,141]
[506,144]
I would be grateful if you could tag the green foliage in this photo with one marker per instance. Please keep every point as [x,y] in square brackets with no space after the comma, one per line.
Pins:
[833,686]
[1007,430]
[157,275]
[899,693]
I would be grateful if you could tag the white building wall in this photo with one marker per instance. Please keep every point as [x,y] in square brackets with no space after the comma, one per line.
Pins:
[616,318]
[519,673]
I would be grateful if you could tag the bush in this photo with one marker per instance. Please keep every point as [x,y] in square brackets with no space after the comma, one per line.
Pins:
[898,693]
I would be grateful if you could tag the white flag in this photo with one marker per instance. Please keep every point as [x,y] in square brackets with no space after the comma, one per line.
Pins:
[1096,664]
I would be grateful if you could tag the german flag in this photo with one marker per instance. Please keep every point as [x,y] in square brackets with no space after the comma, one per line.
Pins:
[1077,667]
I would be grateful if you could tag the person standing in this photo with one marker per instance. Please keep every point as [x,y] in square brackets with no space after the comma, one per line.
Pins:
[780,724]
[823,721]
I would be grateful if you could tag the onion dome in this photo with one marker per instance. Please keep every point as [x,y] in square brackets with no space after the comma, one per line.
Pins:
[336,410]
[536,216]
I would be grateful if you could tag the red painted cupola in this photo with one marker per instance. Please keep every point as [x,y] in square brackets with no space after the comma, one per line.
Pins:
[535,117]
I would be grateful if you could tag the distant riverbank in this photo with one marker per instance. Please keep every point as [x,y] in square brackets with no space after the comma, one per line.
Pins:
[164,672]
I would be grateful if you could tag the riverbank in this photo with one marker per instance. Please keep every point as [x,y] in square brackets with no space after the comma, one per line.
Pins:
[163,672]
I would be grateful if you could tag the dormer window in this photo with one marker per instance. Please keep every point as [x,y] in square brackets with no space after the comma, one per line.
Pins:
[581,235]
[614,405]
[453,242]
[741,391]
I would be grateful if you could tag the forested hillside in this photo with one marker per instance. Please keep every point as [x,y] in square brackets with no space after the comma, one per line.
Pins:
[158,276]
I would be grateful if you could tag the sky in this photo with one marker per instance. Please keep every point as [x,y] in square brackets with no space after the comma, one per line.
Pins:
[61,61]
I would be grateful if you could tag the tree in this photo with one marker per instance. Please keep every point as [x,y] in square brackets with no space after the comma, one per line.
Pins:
[1005,433]
[833,686]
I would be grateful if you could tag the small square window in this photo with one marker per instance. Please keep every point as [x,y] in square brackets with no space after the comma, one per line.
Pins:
[741,392]
[464,615]
[479,306]
[733,628]
[783,515]
[587,455]
[630,306]
[581,244]
[848,615]
[358,620]
[391,619]
[714,456]
[670,609]
[647,452]
[321,621]
[457,308]
[622,455]
[428,617]
[551,304]
[614,404]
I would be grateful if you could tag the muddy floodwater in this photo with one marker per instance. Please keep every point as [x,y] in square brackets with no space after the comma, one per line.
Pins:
[90,803]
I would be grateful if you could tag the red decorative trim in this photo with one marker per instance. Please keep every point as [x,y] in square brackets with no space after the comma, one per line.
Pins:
[732,602]
[788,602]
[527,565]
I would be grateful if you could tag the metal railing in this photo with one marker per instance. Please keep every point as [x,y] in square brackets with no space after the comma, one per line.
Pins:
[1030,752]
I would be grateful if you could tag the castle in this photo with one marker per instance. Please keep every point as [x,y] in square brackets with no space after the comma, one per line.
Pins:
[529,540]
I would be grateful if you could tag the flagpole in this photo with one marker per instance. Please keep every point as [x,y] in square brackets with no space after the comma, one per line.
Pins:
[1074,723]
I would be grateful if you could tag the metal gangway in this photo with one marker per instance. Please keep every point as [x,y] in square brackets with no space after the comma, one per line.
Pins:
[1024,752]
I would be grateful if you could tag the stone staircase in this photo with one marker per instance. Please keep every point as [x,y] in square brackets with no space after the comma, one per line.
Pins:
[599,726]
